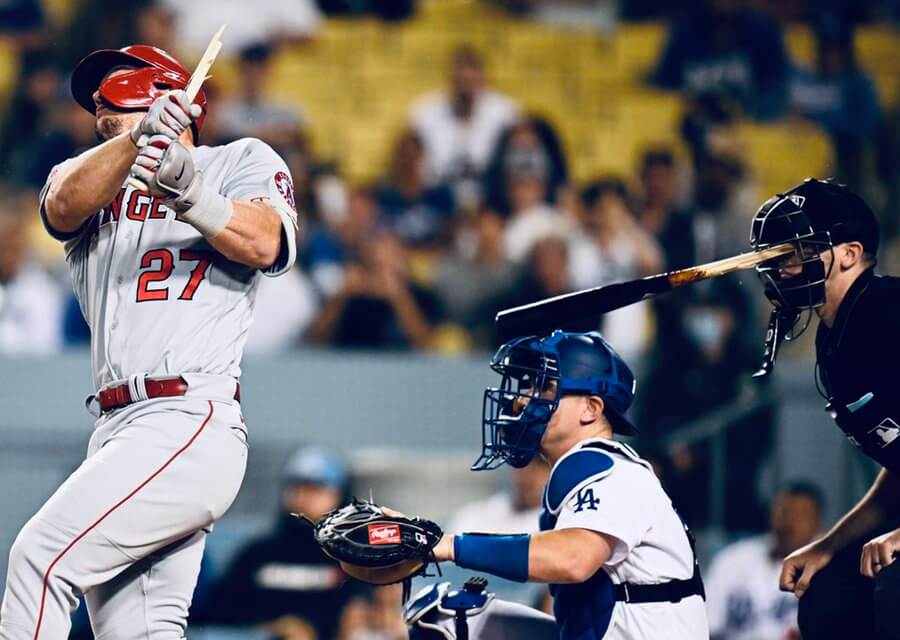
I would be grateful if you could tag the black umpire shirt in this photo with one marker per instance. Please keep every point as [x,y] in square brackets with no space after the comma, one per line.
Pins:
[858,362]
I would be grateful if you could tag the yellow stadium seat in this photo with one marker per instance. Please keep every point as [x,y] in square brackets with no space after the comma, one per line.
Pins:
[9,70]
[638,47]
[801,44]
[781,155]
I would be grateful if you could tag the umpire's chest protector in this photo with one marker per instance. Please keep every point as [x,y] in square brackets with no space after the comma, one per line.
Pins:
[858,361]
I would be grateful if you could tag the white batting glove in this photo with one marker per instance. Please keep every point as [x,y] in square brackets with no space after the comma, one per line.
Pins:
[168,170]
[169,115]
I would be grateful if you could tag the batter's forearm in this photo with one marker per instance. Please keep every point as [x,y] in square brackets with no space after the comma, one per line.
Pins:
[89,183]
[870,512]
[252,235]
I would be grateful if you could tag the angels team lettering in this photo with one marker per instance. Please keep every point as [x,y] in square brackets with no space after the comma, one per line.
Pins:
[137,206]
[158,265]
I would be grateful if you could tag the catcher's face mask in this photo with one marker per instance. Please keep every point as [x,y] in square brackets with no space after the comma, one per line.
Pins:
[515,414]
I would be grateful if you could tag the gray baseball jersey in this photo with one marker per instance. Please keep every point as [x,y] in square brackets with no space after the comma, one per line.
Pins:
[158,298]
[127,528]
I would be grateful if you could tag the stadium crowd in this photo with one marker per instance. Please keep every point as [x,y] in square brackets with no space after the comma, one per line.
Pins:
[476,208]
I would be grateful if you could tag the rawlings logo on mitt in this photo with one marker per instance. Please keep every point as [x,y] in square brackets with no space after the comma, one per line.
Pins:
[375,547]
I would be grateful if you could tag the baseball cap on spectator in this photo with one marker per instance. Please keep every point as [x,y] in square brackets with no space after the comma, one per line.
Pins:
[317,465]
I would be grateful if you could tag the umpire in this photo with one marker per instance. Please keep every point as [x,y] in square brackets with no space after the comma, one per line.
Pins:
[847,581]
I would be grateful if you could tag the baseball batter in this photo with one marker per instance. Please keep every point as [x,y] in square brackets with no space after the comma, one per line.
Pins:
[166,280]
[619,561]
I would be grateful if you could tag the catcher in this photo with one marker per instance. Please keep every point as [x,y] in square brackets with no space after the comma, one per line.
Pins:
[619,560]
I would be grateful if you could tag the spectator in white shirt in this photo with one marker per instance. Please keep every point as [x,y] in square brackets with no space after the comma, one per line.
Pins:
[459,127]
[249,21]
[531,218]
[31,302]
[509,511]
[615,248]
[743,599]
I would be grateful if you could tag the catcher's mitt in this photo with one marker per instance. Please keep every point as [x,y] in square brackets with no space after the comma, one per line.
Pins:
[374,547]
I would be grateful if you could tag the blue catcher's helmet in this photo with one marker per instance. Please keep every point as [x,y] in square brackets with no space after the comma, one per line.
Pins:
[579,363]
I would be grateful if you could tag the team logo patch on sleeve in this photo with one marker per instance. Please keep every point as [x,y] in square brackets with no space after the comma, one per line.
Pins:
[285,188]
[384,534]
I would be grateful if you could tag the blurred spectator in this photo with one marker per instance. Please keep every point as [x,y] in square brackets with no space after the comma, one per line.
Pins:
[282,581]
[345,222]
[530,217]
[25,118]
[23,23]
[533,136]
[250,113]
[460,127]
[111,24]
[839,96]
[727,48]
[545,273]
[660,213]
[31,302]
[270,21]
[743,599]
[599,15]
[285,307]
[474,282]
[707,342]
[418,214]
[70,131]
[659,192]
[384,9]
[707,346]
[509,511]
[154,23]
[614,248]
[378,618]
[378,306]
[723,201]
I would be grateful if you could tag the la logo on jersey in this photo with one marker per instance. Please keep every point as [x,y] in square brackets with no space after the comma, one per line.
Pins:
[585,499]
[384,534]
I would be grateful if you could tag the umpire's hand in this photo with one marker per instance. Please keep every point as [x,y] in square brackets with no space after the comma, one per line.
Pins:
[800,567]
[878,553]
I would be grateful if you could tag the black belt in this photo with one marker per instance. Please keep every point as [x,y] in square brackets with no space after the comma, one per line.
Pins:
[671,591]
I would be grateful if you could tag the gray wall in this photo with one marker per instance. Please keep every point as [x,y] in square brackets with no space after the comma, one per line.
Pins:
[411,424]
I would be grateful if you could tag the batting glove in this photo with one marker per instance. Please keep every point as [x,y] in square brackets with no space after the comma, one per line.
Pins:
[169,115]
[168,170]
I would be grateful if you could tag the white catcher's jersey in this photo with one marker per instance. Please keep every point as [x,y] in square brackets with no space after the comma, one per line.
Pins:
[158,298]
[623,498]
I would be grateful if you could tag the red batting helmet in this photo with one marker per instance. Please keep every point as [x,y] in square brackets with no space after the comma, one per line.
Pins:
[154,73]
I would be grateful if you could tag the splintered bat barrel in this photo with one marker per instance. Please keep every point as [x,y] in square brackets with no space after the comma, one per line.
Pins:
[581,310]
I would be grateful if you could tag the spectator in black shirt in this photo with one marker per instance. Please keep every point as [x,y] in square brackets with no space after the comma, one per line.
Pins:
[418,213]
[378,305]
[727,49]
[847,580]
[282,581]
